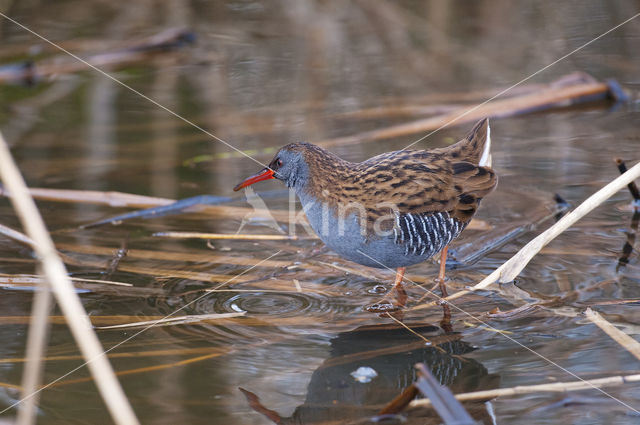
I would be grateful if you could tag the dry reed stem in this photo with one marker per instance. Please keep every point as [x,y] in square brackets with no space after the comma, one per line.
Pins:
[22,279]
[529,389]
[512,267]
[175,320]
[37,339]
[69,302]
[628,343]
[548,97]
[15,235]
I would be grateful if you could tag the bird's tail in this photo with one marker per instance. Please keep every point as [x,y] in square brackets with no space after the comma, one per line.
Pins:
[485,159]
[476,147]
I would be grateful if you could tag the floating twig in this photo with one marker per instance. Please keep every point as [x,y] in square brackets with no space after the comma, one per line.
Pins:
[530,389]
[174,320]
[628,343]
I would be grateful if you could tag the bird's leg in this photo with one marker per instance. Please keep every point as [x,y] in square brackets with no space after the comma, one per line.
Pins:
[401,295]
[443,265]
[445,323]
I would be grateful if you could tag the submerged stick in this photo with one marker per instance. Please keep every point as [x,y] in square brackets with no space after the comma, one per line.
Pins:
[628,343]
[622,167]
[69,302]
[229,236]
[530,389]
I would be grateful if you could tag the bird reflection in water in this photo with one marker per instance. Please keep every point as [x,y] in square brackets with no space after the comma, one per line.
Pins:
[335,396]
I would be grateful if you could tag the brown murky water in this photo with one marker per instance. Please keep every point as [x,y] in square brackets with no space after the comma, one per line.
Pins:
[263,75]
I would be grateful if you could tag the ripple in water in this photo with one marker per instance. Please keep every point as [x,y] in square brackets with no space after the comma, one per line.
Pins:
[265,303]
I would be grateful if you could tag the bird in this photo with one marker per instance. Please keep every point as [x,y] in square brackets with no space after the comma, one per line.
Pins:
[395,209]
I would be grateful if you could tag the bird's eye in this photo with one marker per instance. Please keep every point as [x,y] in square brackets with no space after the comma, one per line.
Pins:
[279,162]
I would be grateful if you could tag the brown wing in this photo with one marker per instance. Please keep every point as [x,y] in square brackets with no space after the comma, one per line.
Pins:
[416,186]
[404,181]
[409,181]
[417,182]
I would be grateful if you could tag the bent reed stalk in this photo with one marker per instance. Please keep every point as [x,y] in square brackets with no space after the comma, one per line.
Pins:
[58,280]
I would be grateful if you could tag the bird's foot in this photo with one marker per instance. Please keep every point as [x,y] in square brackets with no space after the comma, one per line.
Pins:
[384,306]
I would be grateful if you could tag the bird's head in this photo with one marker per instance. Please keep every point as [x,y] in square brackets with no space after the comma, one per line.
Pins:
[288,165]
